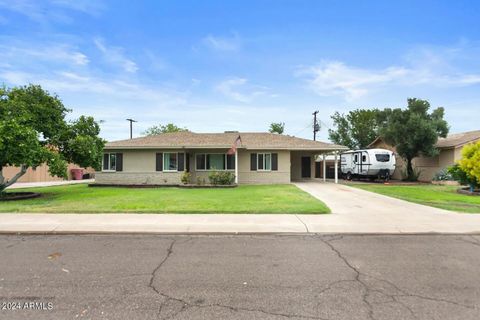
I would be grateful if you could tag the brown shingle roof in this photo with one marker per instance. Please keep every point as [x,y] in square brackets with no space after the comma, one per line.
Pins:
[250,140]
[458,139]
[451,141]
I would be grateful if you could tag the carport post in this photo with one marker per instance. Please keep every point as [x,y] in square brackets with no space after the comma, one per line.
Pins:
[336,167]
[324,168]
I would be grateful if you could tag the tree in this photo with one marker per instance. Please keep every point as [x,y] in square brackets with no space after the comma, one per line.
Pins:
[169,127]
[33,131]
[413,131]
[470,164]
[356,130]
[277,127]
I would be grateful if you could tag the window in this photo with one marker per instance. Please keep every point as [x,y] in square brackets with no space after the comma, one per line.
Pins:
[201,162]
[110,162]
[356,158]
[170,162]
[364,158]
[382,157]
[264,162]
[214,161]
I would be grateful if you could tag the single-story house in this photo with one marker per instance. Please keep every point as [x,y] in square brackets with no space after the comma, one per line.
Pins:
[450,151]
[260,158]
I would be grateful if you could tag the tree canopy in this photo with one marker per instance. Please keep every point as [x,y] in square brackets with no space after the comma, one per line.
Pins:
[356,130]
[33,131]
[159,129]
[413,131]
[277,127]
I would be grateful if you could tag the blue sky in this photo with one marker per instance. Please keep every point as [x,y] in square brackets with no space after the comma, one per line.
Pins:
[223,65]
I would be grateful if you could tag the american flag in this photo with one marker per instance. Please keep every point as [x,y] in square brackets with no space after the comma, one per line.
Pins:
[235,144]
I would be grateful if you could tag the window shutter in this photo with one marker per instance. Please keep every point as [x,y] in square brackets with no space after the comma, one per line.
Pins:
[274,161]
[105,161]
[159,162]
[181,161]
[253,162]
[187,162]
[119,161]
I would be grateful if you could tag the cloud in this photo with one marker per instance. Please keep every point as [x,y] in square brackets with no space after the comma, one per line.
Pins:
[53,52]
[51,10]
[218,43]
[237,89]
[115,56]
[330,78]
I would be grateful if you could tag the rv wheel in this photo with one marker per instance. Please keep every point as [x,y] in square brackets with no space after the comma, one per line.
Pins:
[387,176]
[349,176]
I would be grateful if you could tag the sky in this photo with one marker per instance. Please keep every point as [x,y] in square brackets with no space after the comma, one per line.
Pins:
[213,66]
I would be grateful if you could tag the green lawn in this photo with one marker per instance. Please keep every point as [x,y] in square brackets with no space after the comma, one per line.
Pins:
[444,197]
[243,199]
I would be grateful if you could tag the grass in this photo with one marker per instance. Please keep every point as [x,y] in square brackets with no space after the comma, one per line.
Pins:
[243,199]
[444,197]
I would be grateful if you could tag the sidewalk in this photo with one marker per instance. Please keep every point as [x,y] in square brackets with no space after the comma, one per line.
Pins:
[20,185]
[353,211]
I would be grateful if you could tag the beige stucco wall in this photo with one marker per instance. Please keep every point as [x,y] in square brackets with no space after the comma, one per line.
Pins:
[296,164]
[280,176]
[139,168]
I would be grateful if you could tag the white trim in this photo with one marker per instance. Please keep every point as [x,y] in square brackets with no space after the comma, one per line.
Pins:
[103,162]
[264,170]
[163,161]
[209,170]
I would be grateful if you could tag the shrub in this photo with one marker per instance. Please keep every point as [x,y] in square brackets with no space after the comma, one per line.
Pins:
[443,175]
[186,176]
[463,177]
[470,162]
[221,178]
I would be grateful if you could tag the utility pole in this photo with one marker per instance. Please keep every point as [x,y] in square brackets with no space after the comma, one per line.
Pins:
[316,127]
[131,121]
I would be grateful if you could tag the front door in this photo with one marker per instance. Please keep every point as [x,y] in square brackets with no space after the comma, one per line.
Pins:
[306,167]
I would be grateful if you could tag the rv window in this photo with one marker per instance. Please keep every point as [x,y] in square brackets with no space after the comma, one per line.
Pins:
[364,158]
[356,158]
[382,157]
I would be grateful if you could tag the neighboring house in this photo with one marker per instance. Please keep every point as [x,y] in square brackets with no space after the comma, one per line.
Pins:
[40,174]
[450,151]
[261,158]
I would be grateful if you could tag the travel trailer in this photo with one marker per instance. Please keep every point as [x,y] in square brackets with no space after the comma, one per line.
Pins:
[368,163]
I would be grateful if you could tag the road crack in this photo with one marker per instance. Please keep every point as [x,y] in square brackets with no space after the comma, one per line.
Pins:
[367,290]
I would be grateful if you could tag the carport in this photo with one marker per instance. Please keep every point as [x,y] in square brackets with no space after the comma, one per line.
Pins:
[303,162]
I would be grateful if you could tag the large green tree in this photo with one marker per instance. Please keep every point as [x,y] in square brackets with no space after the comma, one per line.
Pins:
[277,127]
[159,129]
[356,129]
[33,131]
[413,131]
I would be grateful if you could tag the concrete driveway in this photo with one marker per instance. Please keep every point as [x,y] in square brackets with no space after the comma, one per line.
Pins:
[355,210]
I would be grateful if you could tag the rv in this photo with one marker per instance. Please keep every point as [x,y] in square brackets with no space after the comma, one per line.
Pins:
[369,163]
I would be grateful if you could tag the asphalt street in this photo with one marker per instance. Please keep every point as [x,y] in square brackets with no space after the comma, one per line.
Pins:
[240,277]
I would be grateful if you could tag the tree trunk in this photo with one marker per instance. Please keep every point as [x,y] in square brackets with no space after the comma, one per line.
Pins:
[6,183]
[410,173]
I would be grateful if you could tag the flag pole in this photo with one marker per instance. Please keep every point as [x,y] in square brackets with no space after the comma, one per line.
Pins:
[236,165]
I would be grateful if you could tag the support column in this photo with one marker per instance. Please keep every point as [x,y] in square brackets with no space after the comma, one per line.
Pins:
[336,167]
[236,166]
[324,164]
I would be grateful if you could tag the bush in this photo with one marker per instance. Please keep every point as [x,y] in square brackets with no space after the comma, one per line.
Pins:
[443,175]
[463,177]
[186,176]
[221,178]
